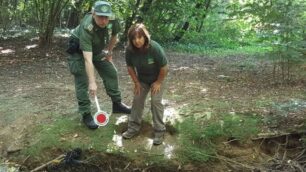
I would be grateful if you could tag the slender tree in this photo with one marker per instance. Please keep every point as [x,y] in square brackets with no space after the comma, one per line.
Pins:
[129,20]
[74,14]
[48,13]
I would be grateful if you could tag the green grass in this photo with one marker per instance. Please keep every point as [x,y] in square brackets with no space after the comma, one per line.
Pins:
[215,52]
[66,133]
[198,138]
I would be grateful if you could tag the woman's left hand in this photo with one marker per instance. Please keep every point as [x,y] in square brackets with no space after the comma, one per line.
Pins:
[155,88]
[109,58]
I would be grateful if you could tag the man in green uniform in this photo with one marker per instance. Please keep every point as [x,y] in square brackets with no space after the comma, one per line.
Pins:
[90,47]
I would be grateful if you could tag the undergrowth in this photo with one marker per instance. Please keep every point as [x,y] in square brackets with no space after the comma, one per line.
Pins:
[220,51]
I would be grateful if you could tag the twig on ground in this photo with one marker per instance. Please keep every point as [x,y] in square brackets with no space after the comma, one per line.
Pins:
[110,167]
[23,162]
[229,141]
[298,157]
[296,165]
[127,166]
[223,158]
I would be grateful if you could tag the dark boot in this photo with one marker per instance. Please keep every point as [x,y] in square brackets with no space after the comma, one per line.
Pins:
[129,134]
[119,107]
[89,122]
[158,138]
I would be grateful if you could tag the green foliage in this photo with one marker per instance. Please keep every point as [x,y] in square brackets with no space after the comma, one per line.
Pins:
[13,15]
[279,24]
[162,18]
[212,27]
[198,137]
[219,33]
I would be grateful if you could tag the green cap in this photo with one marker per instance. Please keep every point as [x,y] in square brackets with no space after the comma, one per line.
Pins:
[102,8]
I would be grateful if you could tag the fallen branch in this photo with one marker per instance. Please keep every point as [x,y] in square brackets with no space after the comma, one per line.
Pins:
[59,158]
[262,136]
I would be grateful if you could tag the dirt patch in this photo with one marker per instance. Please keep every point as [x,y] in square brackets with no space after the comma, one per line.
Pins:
[37,88]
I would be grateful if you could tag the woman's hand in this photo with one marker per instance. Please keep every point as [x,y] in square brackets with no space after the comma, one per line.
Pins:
[108,55]
[109,58]
[137,88]
[155,88]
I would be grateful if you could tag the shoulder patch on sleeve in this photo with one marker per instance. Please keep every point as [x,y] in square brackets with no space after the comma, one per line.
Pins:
[89,27]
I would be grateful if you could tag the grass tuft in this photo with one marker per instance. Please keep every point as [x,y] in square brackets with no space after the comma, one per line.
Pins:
[66,133]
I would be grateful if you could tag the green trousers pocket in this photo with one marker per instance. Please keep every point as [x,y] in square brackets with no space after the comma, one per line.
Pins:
[76,65]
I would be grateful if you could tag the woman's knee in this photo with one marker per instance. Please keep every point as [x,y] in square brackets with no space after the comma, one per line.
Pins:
[156,100]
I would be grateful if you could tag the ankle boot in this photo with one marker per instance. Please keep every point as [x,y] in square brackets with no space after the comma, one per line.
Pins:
[89,122]
[119,107]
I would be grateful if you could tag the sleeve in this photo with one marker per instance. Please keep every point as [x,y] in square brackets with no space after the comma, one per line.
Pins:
[116,27]
[160,55]
[85,39]
[128,58]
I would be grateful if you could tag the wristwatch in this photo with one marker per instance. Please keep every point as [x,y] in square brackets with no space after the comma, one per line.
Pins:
[106,53]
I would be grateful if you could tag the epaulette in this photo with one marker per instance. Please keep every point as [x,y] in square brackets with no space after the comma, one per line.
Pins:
[110,25]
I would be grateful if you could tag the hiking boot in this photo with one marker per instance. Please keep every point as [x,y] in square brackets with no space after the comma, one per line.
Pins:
[89,122]
[129,134]
[158,138]
[119,107]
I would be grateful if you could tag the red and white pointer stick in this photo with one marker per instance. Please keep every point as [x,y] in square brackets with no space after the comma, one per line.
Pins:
[101,118]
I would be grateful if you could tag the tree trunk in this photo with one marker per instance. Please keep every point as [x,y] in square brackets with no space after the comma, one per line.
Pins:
[129,21]
[73,18]
[186,25]
[146,7]
[202,18]
[182,31]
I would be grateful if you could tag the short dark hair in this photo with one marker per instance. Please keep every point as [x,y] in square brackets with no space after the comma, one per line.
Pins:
[138,29]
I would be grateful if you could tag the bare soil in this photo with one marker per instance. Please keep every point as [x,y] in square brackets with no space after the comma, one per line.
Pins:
[36,83]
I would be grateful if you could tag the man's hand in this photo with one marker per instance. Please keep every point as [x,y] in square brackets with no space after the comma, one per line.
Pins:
[92,88]
[155,88]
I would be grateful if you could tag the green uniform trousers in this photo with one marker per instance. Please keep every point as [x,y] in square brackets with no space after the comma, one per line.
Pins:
[106,70]
[157,109]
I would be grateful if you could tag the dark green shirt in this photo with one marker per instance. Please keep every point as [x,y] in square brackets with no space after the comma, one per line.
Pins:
[93,38]
[147,65]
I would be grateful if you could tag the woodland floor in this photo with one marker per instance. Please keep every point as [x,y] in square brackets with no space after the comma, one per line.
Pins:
[36,84]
